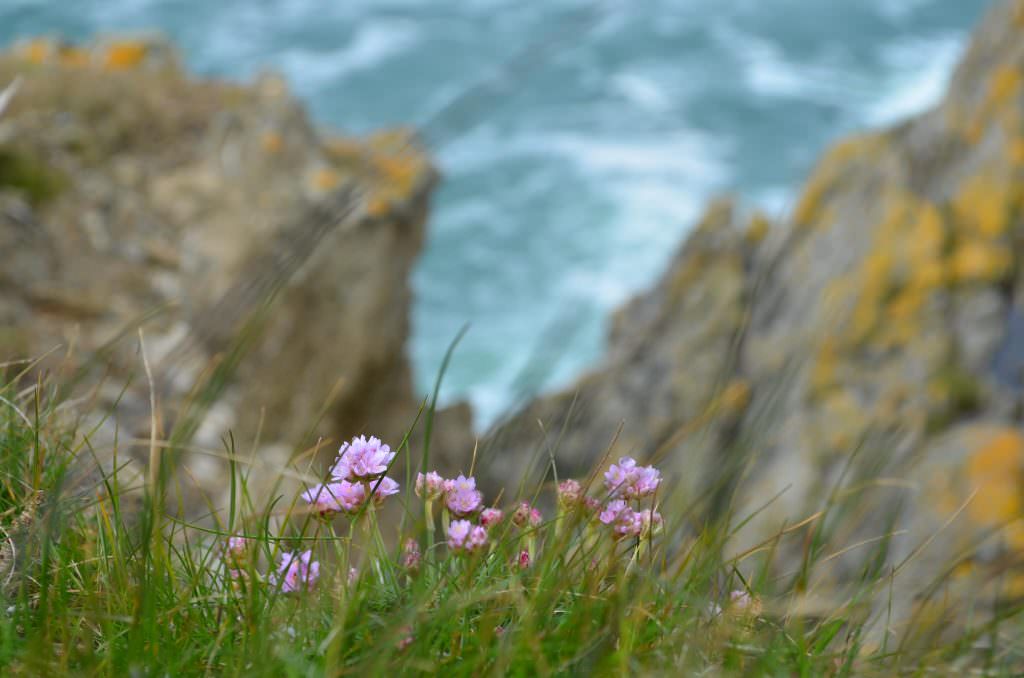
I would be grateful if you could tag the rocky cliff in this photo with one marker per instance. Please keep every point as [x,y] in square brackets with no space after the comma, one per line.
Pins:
[132,195]
[863,356]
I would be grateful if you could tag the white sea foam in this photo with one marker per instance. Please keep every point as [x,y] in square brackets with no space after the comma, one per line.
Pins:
[642,91]
[371,45]
[919,71]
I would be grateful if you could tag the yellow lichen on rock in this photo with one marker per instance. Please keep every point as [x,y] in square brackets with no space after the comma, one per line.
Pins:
[1015,149]
[994,476]
[758,228]
[325,179]
[271,142]
[37,50]
[124,54]
[983,206]
[979,261]
[1004,86]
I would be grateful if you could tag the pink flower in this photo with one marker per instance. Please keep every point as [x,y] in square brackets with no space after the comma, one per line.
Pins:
[458,531]
[526,515]
[411,555]
[236,551]
[490,517]
[362,459]
[477,538]
[630,480]
[619,476]
[462,497]
[296,572]
[353,576]
[645,482]
[385,489]
[430,486]
[612,512]
[460,484]
[407,639]
[523,561]
[569,492]
[464,536]
[629,524]
[591,504]
[336,497]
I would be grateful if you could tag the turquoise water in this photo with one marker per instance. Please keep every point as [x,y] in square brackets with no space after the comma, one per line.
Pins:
[585,171]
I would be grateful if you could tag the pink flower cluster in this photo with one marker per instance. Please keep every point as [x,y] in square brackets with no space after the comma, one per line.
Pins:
[362,459]
[296,572]
[626,482]
[464,502]
[526,516]
[631,481]
[465,537]
[357,474]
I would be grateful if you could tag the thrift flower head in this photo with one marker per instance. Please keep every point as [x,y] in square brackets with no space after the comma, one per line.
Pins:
[429,486]
[490,517]
[569,492]
[619,476]
[464,502]
[362,459]
[385,488]
[236,550]
[611,513]
[645,482]
[526,515]
[336,497]
[464,536]
[296,572]
[523,560]
[629,523]
[462,497]
[630,480]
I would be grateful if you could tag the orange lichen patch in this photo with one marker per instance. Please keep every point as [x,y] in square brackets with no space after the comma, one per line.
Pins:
[1004,86]
[271,142]
[983,206]
[978,261]
[399,173]
[994,475]
[758,228]
[124,54]
[36,51]
[377,206]
[1015,149]
[325,179]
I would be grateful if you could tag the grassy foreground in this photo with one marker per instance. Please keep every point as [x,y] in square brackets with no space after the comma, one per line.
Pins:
[97,582]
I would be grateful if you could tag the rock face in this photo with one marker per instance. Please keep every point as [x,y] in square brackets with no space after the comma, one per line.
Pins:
[873,341]
[131,195]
